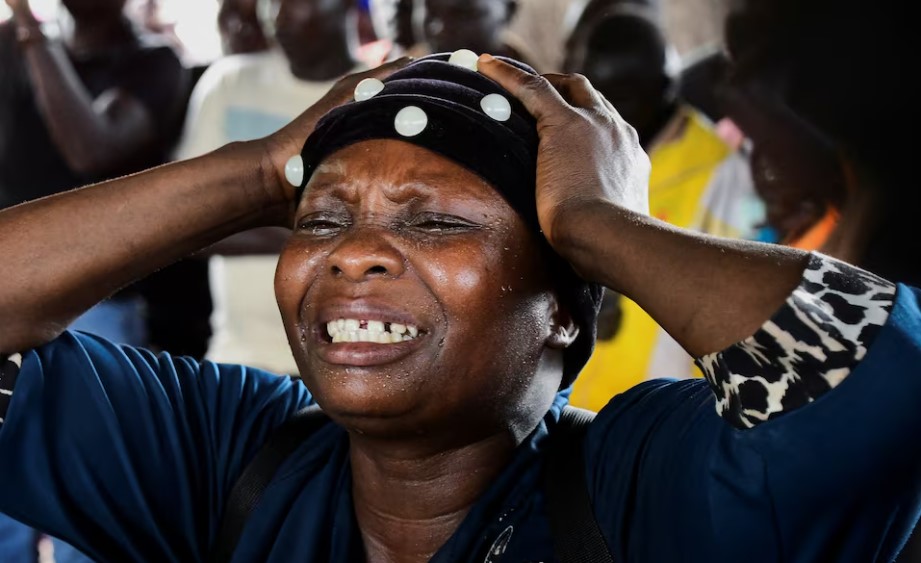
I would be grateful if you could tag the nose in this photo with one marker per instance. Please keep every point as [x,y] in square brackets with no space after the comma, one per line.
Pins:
[364,254]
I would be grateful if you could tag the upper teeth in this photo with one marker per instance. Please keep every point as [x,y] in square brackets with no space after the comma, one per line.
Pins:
[379,332]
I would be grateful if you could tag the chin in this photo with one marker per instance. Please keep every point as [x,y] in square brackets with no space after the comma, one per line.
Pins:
[367,393]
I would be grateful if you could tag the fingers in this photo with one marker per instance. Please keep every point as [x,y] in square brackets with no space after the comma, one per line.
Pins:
[536,94]
[578,91]
[575,89]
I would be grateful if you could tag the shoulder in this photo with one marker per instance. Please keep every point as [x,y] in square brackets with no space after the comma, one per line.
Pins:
[657,409]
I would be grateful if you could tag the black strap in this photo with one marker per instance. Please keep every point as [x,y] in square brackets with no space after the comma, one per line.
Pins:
[248,489]
[576,535]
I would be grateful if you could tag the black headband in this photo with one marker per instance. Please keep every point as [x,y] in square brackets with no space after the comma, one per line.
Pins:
[453,123]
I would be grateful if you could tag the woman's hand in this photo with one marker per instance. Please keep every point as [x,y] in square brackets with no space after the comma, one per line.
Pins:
[588,154]
[288,141]
[592,201]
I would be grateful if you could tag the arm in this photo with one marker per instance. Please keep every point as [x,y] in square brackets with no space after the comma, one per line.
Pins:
[95,136]
[592,175]
[95,240]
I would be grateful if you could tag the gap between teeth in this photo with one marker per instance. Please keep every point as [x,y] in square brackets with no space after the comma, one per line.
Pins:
[378,332]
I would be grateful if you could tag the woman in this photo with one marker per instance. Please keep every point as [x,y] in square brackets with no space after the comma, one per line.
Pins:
[422,227]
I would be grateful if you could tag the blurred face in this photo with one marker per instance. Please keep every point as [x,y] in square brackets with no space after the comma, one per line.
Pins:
[303,26]
[241,31]
[449,25]
[625,59]
[790,206]
[415,298]
[795,168]
[82,9]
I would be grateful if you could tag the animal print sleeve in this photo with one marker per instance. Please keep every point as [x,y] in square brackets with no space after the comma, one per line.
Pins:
[810,345]
[9,369]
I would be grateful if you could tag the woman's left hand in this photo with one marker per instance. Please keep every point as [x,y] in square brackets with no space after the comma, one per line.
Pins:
[588,154]
[592,202]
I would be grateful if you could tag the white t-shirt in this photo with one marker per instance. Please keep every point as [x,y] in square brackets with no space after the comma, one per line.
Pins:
[538,32]
[240,98]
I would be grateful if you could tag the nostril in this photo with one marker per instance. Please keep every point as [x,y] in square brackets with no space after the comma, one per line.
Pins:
[377,270]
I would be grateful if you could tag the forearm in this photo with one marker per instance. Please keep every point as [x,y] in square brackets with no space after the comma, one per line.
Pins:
[87,138]
[708,293]
[64,253]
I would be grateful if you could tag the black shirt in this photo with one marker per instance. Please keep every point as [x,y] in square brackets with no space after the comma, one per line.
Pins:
[30,164]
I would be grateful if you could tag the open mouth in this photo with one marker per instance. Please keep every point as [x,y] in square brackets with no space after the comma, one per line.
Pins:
[374,332]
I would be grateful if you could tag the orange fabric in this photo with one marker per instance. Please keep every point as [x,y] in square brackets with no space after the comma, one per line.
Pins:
[817,235]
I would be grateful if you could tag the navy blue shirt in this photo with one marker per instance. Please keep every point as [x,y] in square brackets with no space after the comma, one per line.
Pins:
[131,456]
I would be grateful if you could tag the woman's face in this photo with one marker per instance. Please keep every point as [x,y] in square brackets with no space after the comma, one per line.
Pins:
[415,298]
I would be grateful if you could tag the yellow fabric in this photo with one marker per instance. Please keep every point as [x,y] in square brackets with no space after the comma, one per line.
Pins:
[682,168]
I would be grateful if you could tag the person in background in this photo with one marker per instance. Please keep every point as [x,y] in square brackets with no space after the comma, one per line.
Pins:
[180,304]
[478,25]
[574,24]
[702,79]
[99,102]
[240,28]
[393,21]
[697,181]
[796,171]
[538,34]
[245,97]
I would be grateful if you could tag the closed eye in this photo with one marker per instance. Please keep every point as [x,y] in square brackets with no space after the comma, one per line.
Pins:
[321,226]
[437,223]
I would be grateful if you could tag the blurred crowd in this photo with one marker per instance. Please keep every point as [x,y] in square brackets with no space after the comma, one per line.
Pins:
[104,92]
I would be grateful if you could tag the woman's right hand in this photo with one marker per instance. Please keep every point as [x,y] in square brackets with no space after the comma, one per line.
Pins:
[288,141]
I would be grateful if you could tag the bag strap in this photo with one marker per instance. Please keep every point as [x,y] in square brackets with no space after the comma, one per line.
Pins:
[576,535]
[247,491]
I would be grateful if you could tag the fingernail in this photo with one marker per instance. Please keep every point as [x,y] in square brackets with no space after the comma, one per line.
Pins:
[486,58]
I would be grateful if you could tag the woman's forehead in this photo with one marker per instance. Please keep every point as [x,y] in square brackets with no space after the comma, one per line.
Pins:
[398,166]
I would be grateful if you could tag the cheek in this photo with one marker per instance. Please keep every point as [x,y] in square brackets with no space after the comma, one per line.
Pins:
[298,266]
[490,293]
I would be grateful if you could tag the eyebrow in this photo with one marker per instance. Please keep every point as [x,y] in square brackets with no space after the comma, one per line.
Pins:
[349,192]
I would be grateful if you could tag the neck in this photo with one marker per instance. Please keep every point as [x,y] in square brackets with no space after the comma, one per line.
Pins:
[337,61]
[410,500]
[92,35]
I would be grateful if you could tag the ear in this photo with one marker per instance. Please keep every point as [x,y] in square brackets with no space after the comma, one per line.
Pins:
[563,330]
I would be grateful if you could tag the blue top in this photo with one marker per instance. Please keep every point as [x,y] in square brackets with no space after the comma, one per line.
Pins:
[131,456]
